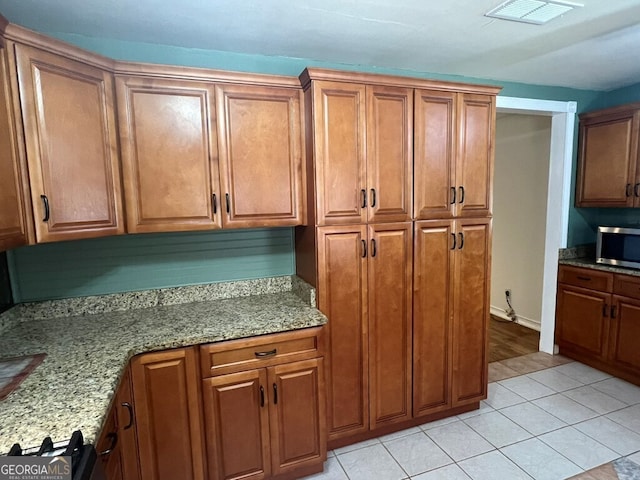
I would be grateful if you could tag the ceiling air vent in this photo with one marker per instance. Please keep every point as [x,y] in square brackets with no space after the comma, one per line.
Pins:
[531,11]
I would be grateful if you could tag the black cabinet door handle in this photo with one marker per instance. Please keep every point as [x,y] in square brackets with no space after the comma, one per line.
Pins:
[363,193]
[627,191]
[214,200]
[453,247]
[605,309]
[373,197]
[364,248]
[373,247]
[453,195]
[228,202]
[635,189]
[275,394]
[114,441]
[613,311]
[461,194]
[261,396]
[585,279]
[461,240]
[129,408]
[270,353]
[45,200]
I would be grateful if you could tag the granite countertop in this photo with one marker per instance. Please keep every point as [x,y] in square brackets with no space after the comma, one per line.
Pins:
[86,355]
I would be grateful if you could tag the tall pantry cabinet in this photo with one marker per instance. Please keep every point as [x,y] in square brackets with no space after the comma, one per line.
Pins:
[399,176]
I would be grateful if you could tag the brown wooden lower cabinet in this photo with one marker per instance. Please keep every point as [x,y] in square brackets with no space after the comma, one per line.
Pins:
[598,319]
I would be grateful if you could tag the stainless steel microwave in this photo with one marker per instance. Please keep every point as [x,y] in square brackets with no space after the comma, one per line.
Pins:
[618,246]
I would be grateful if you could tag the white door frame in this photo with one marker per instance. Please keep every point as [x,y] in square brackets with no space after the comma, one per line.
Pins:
[563,116]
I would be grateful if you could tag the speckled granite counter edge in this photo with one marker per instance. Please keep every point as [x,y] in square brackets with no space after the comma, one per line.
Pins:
[90,305]
[580,251]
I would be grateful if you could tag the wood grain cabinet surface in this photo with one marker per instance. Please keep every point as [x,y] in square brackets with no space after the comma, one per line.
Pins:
[363,151]
[598,319]
[15,216]
[169,154]
[260,139]
[71,144]
[608,174]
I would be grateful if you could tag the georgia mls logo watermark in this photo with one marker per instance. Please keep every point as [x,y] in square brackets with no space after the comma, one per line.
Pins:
[35,468]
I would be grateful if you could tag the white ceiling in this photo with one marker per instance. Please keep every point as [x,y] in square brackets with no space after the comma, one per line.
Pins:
[596,47]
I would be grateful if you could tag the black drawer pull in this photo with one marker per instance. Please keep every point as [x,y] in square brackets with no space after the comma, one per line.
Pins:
[114,441]
[453,247]
[453,195]
[613,311]
[586,279]
[45,200]
[228,202]
[364,248]
[363,192]
[215,203]
[462,194]
[275,394]
[261,396]
[461,240]
[373,197]
[373,247]
[129,408]
[270,353]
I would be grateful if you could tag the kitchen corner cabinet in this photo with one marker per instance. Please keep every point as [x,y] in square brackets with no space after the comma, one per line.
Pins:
[166,389]
[15,220]
[169,154]
[363,151]
[450,318]
[367,295]
[260,144]
[608,174]
[598,319]
[265,419]
[72,147]
[453,154]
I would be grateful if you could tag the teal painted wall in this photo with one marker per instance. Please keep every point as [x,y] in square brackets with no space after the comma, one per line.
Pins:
[141,262]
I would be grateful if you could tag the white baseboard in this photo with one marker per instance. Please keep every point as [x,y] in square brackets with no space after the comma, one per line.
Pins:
[524,321]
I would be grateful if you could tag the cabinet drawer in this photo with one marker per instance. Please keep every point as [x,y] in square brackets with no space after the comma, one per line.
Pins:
[626,286]
[256,352]
[586,278]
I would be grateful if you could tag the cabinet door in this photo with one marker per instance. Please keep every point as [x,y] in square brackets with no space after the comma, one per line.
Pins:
[474,164]
[339,133]
[389,153]
[259,130]
[127,429]
[297,415]
[169,154]
[435,190]
[432,297]
[342,297]
[390,297]
[72,147]
[471,310]
[624,333]
[607,160]
[14,218]
[237,425]
[580,320]
[108,448]
[168,414]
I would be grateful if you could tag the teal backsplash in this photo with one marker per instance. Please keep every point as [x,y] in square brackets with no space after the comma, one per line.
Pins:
[148,261]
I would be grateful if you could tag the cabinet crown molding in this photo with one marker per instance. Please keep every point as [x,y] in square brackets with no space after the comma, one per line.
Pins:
[310,74]
[620,109]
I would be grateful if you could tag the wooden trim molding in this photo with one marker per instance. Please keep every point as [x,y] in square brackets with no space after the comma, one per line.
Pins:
[310,74]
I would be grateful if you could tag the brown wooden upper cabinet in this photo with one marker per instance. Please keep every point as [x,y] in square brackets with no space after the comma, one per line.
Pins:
[72,146]
[169,154]
[608,175]
[260,143]
[15,217]
[453,154]
[363,151]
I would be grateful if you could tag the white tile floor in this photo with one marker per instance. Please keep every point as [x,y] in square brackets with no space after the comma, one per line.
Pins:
[547,425]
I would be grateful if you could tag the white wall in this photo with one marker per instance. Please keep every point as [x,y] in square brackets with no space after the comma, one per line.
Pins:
[519,211]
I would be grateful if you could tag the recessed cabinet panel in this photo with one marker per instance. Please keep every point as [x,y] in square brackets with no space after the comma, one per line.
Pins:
[169,154]
[259,130]
[435,190]
[342,297]
[474,165]
[339,139]
[471,310]
[390,298]
[389,153]
[14,220]
[72,147]
[432,325]
[624,334]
